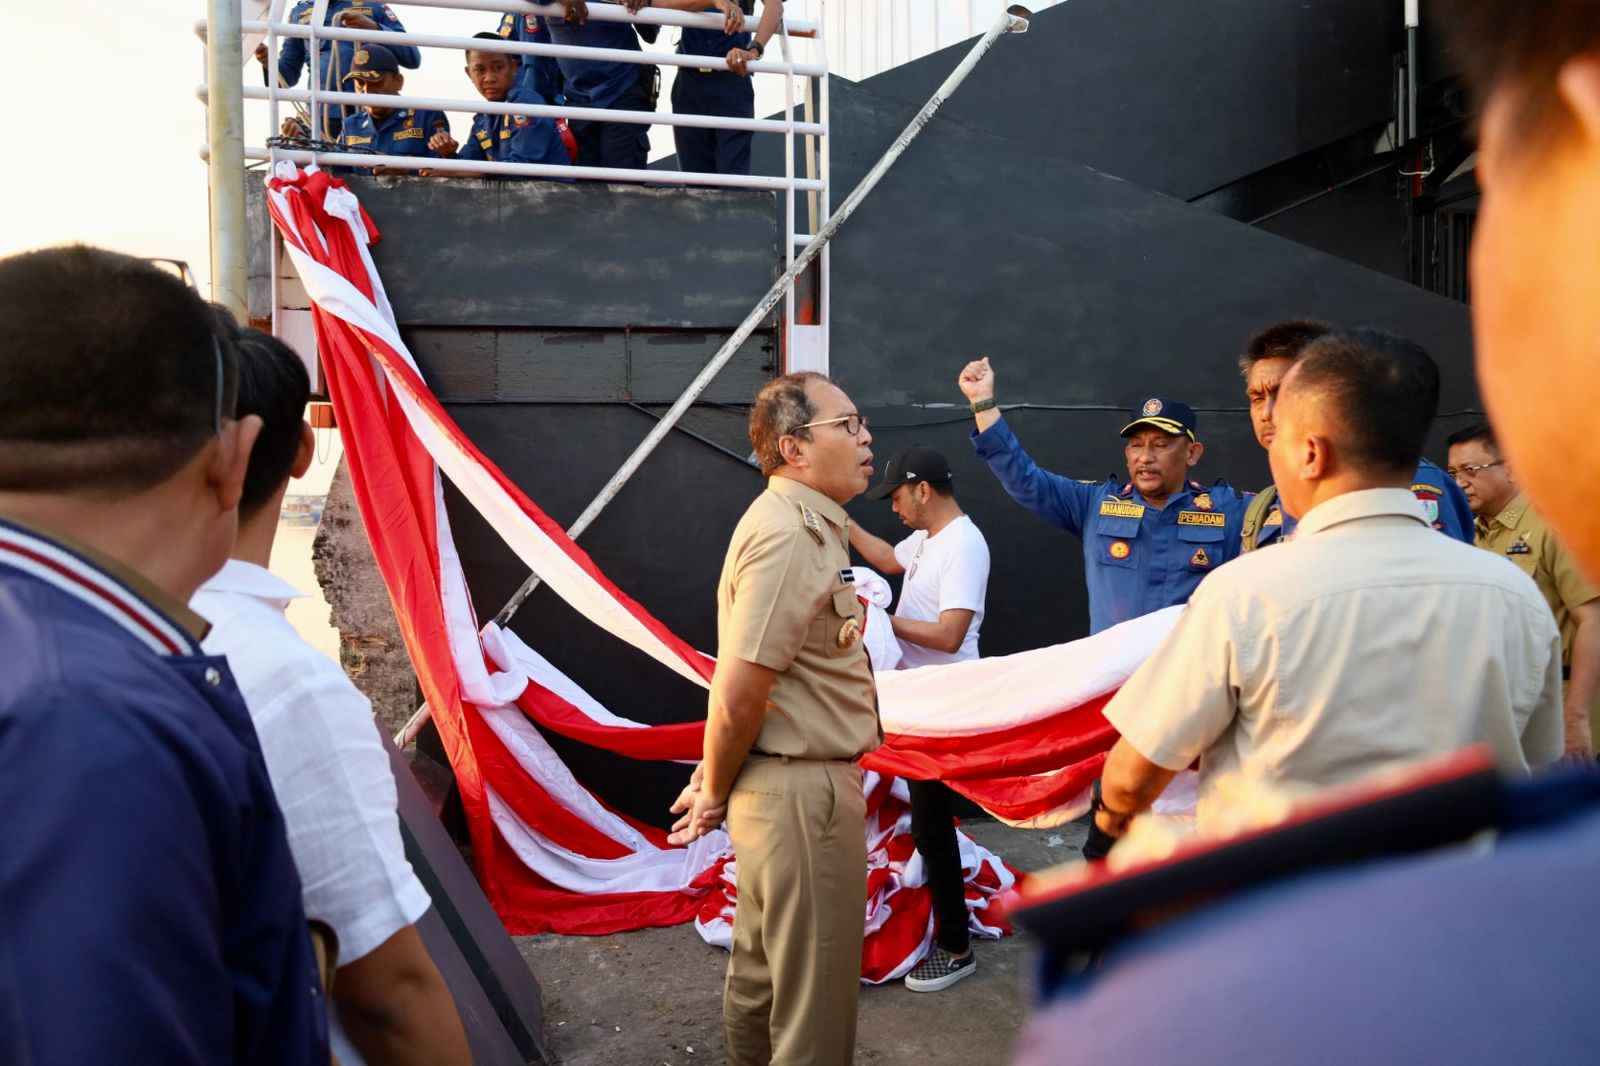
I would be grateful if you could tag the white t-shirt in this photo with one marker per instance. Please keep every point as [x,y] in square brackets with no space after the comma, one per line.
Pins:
[947,572]
[327,765]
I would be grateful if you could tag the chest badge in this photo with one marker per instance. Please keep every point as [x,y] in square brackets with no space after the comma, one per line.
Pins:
[1200,558]
[1119,549]
[1202,502]
[1520,547]
[849,633]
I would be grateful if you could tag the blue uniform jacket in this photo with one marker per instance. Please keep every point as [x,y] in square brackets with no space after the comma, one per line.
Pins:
[1136,559]
[1441,498]
[400,133]
[543,73]
[151,909]
[292,53]
[516,138]
[589,82]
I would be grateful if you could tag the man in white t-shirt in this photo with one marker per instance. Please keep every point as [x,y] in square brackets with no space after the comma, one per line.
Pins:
[946,565]
[325,756]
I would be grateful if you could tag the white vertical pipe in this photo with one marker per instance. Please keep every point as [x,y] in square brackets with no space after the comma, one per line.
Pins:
[225,140]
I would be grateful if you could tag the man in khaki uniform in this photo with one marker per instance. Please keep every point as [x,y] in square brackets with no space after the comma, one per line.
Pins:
[1507,525]
[792,707]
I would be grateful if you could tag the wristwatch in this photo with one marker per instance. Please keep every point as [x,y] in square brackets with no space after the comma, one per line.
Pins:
[986,404]
[1097,804]
[757,47]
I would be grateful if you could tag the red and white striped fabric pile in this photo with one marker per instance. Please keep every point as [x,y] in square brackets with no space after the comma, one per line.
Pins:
[1022,735]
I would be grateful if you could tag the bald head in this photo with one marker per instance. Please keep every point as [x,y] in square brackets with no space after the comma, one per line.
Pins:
[1353,413]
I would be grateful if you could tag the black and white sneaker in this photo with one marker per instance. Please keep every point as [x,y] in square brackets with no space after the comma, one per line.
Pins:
[940,969]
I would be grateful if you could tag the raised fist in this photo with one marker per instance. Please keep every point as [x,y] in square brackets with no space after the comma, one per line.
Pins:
[977,380]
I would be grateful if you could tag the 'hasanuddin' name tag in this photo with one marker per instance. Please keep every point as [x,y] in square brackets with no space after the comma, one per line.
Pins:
[1118,509]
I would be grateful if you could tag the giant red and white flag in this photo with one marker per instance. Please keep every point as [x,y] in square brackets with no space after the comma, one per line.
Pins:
[1022,735]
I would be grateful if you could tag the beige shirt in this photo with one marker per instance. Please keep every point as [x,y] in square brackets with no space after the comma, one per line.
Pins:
[1365,642]
[783,603]
[1519,534]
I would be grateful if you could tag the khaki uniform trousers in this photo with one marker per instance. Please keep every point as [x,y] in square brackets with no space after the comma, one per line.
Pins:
[799,841]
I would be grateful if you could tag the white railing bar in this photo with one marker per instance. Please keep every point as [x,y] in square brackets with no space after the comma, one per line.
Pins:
[788,174]
[490,107]
[319,14]
[605,13]
[825,161]
[533,170]
[522,48]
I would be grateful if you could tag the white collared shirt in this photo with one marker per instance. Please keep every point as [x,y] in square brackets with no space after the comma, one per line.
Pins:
[1364,643]
[327,765]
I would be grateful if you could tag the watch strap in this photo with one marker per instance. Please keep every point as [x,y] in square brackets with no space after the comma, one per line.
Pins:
[987,404]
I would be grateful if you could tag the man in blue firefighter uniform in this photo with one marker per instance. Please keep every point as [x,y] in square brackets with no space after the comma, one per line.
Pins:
[504,138]
[543,73]
[1147,542]
[334,64]
[387,130]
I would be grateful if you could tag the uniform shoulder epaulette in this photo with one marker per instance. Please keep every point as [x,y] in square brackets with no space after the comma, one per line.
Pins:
[813,523]
[1126,490]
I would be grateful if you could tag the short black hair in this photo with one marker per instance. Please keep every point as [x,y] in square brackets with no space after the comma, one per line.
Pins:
[1385,392]
[942,488]
[1478,431]
[109,371]
[1281,340]
[1516,44]
[274,384]
[490,35]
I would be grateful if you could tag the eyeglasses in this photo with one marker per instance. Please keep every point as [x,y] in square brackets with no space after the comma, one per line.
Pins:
[853,423]
[1472,470]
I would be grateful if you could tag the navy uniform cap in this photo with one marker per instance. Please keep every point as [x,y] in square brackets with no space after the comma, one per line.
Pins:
[915,464]
[1169,416]
[371,62]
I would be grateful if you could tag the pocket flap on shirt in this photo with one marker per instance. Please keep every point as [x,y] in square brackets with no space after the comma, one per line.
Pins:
[1116,526]
[1204,534]
[845,602]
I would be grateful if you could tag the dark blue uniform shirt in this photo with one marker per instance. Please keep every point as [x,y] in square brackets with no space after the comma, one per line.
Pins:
[404,132]
[1441,498]
[293,53]
[1137,559]
[516,138]
[149,908]
[542,72]
[592,82]
[1470,957]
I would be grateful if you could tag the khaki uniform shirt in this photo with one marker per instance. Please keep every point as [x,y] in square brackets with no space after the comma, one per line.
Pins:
[783,603]
[1520,535]
[1366,642]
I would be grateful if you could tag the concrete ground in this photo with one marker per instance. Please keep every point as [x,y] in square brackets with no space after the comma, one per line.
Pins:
[654,998]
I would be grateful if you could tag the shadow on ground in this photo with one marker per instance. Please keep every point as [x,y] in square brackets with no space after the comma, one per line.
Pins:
[654,998]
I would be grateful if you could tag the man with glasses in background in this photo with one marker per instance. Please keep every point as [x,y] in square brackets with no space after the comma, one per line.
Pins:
[1148,541]
[1508,526]
[792,707]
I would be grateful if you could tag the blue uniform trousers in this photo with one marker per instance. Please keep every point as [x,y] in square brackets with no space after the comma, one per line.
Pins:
[717,92]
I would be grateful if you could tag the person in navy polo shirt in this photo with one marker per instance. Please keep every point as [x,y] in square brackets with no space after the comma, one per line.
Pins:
[388,130]
[151,910]
[605,83]
[1148,541]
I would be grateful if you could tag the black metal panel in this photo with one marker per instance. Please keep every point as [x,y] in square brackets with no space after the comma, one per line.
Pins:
[554,255]
[1178,96]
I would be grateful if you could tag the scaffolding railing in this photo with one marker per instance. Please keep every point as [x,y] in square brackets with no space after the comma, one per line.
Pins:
[805,341]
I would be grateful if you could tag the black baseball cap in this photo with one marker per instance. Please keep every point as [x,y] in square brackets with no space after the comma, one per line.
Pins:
[371,62]
[1169,416]
[916,463]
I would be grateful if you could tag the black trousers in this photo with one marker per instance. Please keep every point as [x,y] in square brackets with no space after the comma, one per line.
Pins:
[933,827]
[623,145]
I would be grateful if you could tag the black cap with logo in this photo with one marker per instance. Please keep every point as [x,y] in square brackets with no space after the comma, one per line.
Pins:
[371,62]
[1169,416]
[915,464]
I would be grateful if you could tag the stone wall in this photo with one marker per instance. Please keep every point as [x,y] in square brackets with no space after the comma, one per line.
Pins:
[370,647]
